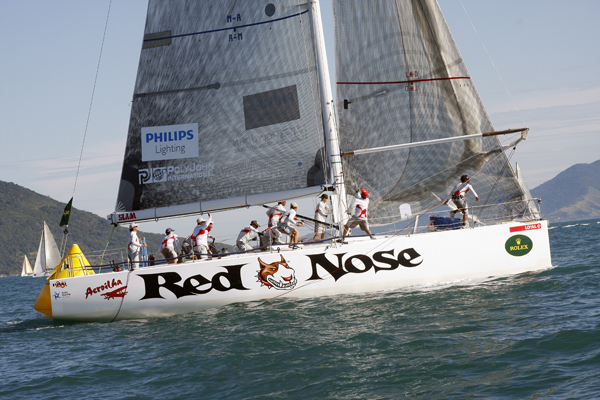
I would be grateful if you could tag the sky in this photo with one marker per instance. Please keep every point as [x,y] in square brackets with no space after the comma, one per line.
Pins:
[540,68]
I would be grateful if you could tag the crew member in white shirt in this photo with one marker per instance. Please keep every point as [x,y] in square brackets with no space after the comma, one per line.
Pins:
[275,213]
[247,234]
[134,247]
[458,197]
[288,223]
[321,214]
[358,210]
[200,237]
[169,247]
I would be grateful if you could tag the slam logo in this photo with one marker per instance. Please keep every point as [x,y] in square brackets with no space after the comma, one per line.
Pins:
[170,142]
[518,245]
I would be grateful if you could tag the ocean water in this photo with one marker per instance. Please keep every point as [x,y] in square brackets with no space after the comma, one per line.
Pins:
[529,336]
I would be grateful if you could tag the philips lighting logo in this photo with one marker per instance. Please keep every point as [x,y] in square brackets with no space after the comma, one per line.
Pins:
[169,142]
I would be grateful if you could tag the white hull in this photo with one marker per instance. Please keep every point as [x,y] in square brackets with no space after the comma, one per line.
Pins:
[383,263]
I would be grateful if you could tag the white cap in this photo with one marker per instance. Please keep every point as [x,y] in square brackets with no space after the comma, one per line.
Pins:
[131,226]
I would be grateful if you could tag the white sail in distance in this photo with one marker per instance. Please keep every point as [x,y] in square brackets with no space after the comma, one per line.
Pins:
[26,269]
[48,255]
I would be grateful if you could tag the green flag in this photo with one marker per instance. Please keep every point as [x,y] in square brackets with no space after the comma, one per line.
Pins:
[66,214]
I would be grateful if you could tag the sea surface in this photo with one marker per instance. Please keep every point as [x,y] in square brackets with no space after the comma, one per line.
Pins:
[529,336]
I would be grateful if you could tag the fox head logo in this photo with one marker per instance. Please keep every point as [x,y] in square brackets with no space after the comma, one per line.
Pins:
[277,275]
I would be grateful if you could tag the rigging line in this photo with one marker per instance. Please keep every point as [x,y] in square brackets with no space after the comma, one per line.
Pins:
[92,99]
[107,243]
[389,194]
[506,165]
[123,298]
[492,61]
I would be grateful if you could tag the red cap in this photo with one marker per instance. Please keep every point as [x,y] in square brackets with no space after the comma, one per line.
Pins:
[364,193]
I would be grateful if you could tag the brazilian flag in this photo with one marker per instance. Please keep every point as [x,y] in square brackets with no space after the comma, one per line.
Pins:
[66,214]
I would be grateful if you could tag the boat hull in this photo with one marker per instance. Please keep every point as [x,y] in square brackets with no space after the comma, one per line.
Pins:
[361,265]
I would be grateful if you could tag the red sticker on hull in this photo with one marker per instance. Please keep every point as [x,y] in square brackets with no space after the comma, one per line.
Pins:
[525,227]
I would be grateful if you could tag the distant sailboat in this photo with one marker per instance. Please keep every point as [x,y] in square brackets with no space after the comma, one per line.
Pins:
[48,255]
[26,270]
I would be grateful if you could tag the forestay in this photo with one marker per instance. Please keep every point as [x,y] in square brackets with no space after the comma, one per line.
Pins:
[226,109]
[402,79]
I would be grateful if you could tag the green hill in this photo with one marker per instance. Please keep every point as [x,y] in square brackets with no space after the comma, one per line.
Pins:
[22,212]
[572,195]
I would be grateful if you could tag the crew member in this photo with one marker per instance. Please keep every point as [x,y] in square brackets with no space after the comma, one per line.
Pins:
[170,246]
[321,214]
[200,237]
[458,197]
[358,210]
[247,234]
[288,223]
[134,246]
[275,213]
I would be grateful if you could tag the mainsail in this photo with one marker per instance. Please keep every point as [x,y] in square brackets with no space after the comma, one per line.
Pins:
[401,79]
[48,255]
[226,110]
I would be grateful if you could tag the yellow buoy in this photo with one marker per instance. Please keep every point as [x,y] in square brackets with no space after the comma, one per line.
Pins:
[74,264]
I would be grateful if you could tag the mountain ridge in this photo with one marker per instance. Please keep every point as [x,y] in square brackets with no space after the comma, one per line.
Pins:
[22,212]
[573,194]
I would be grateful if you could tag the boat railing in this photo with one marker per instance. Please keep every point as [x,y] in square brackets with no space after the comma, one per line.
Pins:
[76,264]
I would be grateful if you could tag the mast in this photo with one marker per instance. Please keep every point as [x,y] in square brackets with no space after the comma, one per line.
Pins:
[332,144]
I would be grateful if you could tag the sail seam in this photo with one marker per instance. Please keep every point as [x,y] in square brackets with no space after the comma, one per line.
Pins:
[401,82]
[225,29]
[230,84]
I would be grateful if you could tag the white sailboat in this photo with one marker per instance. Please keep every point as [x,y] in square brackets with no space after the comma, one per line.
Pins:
[26,269]
[233,108]
[48,255]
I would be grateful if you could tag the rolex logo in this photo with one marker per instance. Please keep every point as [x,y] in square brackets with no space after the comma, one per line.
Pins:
[518,245]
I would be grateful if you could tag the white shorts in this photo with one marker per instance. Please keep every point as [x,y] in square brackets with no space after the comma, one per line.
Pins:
[243,246]
[320,227]
[201,249]
[285,228]
[354,221]
[168,253]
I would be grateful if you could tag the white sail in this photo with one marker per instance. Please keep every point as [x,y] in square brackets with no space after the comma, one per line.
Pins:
[26,270]
[402,79]
[48,255]
[213,126]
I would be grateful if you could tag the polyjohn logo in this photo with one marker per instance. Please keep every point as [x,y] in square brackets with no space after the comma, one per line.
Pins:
[518,245]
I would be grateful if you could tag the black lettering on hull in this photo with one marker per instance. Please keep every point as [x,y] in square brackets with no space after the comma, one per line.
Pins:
[194,285]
